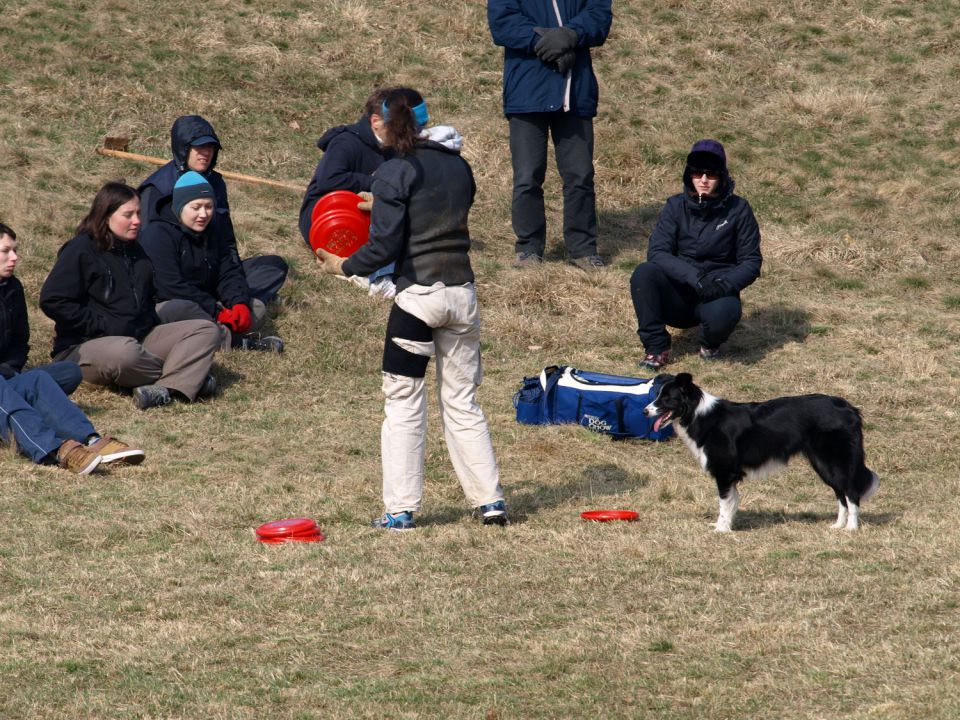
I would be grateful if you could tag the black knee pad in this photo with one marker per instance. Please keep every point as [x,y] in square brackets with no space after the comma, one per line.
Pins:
[396,360]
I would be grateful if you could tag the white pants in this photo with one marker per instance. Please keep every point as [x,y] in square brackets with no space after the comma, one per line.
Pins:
[452,314]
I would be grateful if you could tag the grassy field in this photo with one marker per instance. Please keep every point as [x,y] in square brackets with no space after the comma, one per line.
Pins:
[142,593]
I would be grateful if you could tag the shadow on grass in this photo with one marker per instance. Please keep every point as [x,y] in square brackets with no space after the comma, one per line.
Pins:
[525,499]
[619,230]
[761,331]
[747,520]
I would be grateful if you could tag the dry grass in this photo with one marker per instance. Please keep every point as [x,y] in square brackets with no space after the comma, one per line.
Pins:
[142,593]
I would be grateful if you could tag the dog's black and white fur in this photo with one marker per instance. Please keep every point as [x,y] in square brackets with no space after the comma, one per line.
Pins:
[735,440]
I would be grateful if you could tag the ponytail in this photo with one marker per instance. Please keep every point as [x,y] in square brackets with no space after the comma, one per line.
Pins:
[405,113]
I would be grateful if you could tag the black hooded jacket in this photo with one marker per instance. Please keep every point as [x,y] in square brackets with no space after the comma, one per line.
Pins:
[194,266]
[14,328]
[419,219]
[699,237]
[91,293]
[350,155]
[185,130]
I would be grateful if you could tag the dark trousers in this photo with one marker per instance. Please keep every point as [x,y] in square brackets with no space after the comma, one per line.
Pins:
[659,301]
[265,276]
[573,145]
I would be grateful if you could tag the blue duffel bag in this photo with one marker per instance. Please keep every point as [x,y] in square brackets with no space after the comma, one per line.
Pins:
[609,404]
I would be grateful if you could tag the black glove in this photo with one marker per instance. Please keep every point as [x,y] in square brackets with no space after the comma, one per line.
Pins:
[566,61]
[713,288]
[554,42]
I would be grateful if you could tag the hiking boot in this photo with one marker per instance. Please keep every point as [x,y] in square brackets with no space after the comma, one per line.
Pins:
[148,396]
[77,458]
[710,353]
[655,361]
[589,262]
[527,260]
[209,387]
[493,514]
[270,343]
[112,450]
[396,521]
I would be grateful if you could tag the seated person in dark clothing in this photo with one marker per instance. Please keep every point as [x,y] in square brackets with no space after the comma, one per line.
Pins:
[193,261]
[34,408]
[196,147]
[704,250]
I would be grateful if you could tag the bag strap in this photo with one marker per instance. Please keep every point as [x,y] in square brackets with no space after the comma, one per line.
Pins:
[549,378]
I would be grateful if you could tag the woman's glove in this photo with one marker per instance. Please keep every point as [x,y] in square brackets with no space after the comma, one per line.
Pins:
[329,263]
[243,318]
[713,288]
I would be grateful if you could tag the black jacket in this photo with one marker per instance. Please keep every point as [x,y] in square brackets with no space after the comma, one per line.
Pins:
[91,293]
[14,328]
[185,130]
[350,155]
[194,266]
[707,237]
[419,219]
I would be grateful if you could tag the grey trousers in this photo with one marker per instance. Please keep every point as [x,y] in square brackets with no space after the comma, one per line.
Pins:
[176,355]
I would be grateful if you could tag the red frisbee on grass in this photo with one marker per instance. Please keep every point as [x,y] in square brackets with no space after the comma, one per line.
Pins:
[290,530]
[608,515]
[337,225]
[309,537]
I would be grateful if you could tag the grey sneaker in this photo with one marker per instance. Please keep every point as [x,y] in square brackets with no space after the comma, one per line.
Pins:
[148,396]
[588,262]
[527,260]
[710,353]
[269,343]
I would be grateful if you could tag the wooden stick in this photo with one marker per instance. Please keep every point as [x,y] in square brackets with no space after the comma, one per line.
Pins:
[226,174]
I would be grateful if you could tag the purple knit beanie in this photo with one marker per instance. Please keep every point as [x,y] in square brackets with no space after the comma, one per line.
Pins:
[707,155]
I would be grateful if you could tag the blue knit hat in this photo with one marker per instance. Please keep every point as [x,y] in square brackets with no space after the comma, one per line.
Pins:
[191,186]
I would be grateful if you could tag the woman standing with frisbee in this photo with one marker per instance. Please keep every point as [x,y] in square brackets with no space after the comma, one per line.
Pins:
[419,220]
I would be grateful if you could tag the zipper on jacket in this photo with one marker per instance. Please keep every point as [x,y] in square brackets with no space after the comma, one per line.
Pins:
[569,79]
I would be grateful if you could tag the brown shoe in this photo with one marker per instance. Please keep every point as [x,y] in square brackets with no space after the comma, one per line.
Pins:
[527,260]
[77,458]
[112,450]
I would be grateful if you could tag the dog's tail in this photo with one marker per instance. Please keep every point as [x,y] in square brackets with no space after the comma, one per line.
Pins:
[871,483]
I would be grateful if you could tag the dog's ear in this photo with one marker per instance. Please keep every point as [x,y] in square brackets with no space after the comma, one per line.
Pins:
[662,378]
[684,379]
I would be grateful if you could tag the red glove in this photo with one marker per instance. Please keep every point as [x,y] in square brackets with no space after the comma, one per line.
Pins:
[241,314]
[227,316]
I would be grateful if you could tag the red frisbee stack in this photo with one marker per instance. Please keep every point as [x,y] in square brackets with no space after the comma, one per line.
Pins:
[289,530]
[337,225]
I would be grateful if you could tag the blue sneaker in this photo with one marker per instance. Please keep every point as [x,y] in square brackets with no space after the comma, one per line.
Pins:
[397,521]
[494,514]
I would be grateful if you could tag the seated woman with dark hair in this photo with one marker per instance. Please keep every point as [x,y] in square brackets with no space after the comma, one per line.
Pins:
[101,297]
[34,408]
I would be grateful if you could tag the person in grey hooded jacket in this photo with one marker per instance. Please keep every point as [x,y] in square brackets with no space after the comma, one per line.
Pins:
[704,250]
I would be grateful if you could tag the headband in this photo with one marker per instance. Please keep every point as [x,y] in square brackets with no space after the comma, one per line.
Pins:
[420,113]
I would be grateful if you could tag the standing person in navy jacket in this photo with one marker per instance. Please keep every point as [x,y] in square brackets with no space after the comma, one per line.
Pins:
[195,147]
[549,88]
[704,250]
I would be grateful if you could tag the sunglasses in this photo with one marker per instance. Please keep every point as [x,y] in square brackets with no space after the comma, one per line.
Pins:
[711,174]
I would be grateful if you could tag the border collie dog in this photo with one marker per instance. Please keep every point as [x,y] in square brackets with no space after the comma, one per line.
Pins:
[733,440]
